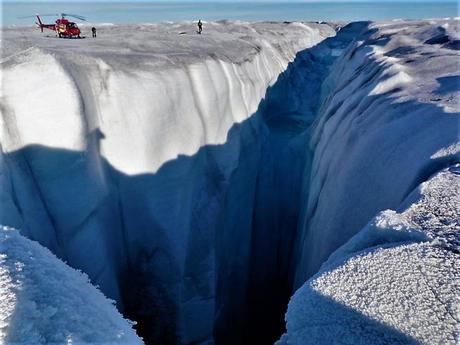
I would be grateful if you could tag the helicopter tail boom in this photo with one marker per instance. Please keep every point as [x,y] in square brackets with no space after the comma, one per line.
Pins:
[44,26]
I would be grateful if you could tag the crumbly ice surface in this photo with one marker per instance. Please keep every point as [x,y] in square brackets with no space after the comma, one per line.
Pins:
[44,301]
[397,281]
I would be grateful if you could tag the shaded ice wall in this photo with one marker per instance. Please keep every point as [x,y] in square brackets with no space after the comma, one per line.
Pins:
[144,175]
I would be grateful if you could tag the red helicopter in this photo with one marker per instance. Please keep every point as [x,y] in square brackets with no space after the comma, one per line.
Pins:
[63,27]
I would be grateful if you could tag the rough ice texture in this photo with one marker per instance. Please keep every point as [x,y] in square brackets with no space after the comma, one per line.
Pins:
[44,301]
[387,137]
[385,288]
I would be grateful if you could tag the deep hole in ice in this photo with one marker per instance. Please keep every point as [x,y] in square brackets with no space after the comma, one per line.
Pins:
[255,298]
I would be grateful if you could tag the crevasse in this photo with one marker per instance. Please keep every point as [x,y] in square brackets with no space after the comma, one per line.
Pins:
[202,195]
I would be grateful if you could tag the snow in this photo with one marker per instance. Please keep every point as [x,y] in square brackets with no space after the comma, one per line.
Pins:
[397,281]
[44,301]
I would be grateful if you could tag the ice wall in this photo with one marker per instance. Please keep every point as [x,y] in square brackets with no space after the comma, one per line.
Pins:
[390,109]
[136,161]
[386,138]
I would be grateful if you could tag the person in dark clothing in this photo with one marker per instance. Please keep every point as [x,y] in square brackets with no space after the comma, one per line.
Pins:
[200,26]
[93,30]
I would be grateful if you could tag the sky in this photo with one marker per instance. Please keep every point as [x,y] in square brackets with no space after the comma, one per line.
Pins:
[154,11]
[249,1]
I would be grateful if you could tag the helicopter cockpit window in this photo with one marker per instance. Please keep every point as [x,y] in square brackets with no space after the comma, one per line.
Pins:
[71,25]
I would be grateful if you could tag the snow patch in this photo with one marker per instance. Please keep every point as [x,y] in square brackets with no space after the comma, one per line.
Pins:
[44,301]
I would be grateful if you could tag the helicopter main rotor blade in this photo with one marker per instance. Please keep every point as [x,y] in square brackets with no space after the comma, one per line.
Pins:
[41,15]
[73,15]
[54,15]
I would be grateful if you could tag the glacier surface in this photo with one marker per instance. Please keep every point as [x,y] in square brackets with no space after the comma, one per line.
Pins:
[200,181]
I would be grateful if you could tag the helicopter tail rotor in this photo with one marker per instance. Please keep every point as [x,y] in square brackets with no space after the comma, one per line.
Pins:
[40,24]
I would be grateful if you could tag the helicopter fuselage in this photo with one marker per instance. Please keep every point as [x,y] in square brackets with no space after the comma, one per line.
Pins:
[63,27]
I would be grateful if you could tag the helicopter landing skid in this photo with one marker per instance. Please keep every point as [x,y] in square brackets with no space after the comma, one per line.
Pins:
[66,37]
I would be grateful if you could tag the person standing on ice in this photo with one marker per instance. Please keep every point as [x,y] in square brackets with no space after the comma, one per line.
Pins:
[93,30]
[200,27]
